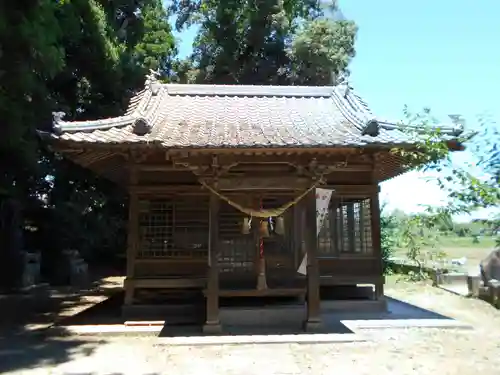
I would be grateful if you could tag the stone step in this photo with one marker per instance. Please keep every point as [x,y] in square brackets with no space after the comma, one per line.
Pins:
[170,313]
[265,315]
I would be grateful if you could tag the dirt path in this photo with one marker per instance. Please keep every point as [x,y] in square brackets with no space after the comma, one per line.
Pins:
[390,351]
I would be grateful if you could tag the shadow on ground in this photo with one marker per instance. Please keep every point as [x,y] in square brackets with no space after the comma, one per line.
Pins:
[26,343]
[396,310]
[29,352]
[109,313]
[25,316]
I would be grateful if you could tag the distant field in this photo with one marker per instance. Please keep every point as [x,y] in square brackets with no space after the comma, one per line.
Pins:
[458,247]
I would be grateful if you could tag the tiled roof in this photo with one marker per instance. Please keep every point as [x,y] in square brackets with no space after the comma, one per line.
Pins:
[220,116]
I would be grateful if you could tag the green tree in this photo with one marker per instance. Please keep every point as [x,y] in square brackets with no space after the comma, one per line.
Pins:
[156,48]
[265,42]
[467,192]
[29,55]
[79,57]
[487,146]
[388,237]
[110,58]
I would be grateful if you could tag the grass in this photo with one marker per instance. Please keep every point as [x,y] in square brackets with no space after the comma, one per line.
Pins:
[458,247]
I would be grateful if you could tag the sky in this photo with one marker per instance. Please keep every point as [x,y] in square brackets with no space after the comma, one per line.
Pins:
[441,54]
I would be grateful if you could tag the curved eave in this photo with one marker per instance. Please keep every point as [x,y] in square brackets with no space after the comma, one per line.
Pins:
[451,131]
[61,127]
[352,107]
[68,144]
[357,112]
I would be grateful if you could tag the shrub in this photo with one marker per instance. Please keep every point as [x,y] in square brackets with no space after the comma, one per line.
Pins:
[388,237]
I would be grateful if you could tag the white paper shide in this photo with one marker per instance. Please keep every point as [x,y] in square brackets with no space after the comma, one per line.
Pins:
[323,197]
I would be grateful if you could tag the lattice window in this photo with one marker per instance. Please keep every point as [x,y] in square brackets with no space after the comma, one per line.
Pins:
[176,227]
[279,246]
[346,229]
[236,249]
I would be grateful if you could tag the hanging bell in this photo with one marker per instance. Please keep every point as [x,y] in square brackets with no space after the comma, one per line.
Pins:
[246,226]
[280,226]
[264,228]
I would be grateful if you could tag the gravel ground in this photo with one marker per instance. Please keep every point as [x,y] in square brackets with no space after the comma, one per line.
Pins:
[389,351]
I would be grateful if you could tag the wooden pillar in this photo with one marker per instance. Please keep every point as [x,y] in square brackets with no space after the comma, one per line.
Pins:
[313,322]
[376,239]
[133,235]
[212,323]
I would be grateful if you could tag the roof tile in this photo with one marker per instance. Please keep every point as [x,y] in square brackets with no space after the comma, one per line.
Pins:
[238,116]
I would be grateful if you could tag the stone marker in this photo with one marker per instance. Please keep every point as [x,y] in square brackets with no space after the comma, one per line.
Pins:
[490,274]
[490,267]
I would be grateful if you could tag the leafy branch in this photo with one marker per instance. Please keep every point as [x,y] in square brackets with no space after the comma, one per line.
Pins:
[432,150]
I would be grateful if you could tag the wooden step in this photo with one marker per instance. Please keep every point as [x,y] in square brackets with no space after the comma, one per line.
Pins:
[268,292]
[166,282]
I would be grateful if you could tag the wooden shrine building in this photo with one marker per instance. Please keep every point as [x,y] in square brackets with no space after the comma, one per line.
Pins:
[222,183]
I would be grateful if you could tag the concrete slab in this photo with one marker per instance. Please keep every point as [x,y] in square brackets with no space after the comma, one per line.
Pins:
[356,325]
[216,339]
[98,329]
[262,339]
[338,327]
[461,290]
[474,270]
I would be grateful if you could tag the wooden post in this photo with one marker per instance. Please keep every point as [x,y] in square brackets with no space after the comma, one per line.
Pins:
[133,235]
[376,240]
[212,323]
[313,322]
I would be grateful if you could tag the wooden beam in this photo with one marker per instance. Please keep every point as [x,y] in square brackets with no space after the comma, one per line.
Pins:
[232,159]
[162,190]
[259,166]
[351,191]
[354,191]
[273,151]
[283,182]
[162,168]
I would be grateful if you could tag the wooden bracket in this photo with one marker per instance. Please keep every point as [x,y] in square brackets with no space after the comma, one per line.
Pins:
[139,156]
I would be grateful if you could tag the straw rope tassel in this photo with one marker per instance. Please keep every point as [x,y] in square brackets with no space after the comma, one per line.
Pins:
[263,214]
